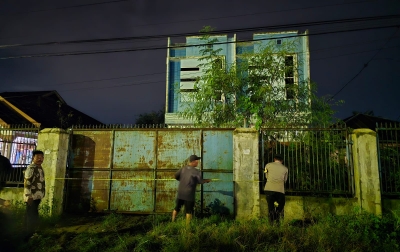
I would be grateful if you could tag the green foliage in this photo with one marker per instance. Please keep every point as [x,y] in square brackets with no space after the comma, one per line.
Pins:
[357,231]
[154,117]
[248,91]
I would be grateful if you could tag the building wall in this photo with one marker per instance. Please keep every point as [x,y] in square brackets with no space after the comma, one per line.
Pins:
[185,56]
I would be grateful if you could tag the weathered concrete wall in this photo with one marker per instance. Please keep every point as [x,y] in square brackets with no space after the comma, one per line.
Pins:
[298,207]
[366,171]
[245,173]
[54,144]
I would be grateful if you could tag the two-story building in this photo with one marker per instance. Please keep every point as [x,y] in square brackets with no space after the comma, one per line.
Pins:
[183,65]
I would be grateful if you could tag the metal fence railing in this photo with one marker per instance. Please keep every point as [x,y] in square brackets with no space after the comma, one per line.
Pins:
[319,159]
[388,141]
[16,144]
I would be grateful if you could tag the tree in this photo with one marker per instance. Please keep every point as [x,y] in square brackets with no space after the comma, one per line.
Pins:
[154,117]
[260,89]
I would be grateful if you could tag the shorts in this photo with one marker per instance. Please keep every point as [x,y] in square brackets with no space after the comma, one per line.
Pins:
[189,206]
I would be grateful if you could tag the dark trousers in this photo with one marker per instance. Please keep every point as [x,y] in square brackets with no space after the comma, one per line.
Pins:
[32,216]
[275,212]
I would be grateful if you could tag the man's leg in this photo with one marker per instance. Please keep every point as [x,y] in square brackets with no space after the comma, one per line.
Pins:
[281,204]
[271,208]
[178,205]
[189,208]
[188,218]
[174,213]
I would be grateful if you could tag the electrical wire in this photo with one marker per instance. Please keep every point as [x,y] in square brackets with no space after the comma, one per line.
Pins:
[363,68]
[183,46]
[248,29]
[242,15]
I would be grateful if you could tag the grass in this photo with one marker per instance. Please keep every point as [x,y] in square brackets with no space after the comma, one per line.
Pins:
[116,232]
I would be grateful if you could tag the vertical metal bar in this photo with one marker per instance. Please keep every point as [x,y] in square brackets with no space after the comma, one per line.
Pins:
[383,148]
[378,148]
[111,170]
[201,169]
[397,178]
[262,161]
[155,172]
[391,142]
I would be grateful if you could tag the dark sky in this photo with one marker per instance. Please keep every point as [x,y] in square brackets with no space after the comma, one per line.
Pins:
[117,87]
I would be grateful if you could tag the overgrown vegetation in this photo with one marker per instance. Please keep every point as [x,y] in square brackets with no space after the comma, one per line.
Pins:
[358,231]
[262,88]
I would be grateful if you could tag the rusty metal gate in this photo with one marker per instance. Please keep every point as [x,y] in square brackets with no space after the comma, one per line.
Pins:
[132,170]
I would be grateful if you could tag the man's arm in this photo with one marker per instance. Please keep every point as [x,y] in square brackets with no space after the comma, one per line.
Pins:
[178,174]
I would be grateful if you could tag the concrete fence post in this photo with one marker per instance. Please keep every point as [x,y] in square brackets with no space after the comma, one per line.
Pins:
[54,144]
[246,173]
[366,171]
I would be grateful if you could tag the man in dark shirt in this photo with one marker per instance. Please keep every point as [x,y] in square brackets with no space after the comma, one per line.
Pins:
[5,170]
[188,177]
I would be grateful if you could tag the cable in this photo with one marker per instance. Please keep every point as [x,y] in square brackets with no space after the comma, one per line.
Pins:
[365,66]
[273,27]
[234,16]
[62,8]
[184,46]
[158,73]
[152,82]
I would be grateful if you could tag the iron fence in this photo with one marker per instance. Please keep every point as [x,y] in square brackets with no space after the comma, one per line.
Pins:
[17,143]
[319,159]
[388,141]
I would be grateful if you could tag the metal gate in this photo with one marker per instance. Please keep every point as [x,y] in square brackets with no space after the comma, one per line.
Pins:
[132,170]
[319,159]
[388,144]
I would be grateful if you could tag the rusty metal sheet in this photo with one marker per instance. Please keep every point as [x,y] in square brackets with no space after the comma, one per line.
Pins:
[166,188]
[217,150]
[135,149]
[91,149]
[219,193]
[87,191]
[132,191]
[175,147]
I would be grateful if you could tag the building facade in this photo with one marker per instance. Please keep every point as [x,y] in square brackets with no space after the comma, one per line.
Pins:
[183,65]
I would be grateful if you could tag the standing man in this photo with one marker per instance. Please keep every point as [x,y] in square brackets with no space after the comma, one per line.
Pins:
[34,191]
[276,174]
[188,177]
[5,170]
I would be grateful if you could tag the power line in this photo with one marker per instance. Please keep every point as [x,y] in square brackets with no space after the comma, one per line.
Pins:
[62,8]
[184,46]
[364,67]
[140,83]
[272,27]
[158,73]
[242,15]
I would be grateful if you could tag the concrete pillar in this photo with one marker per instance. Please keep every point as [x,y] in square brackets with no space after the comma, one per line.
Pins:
[366,171]
[246,173]
[54,144]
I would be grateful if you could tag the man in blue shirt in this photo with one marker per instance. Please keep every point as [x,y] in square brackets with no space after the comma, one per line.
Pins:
[189,177]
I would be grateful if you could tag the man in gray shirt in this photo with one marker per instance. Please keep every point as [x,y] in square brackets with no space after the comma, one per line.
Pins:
[276,174]
[188,177]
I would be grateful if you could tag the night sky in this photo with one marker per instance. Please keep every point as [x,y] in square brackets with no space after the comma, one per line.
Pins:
[117,87]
